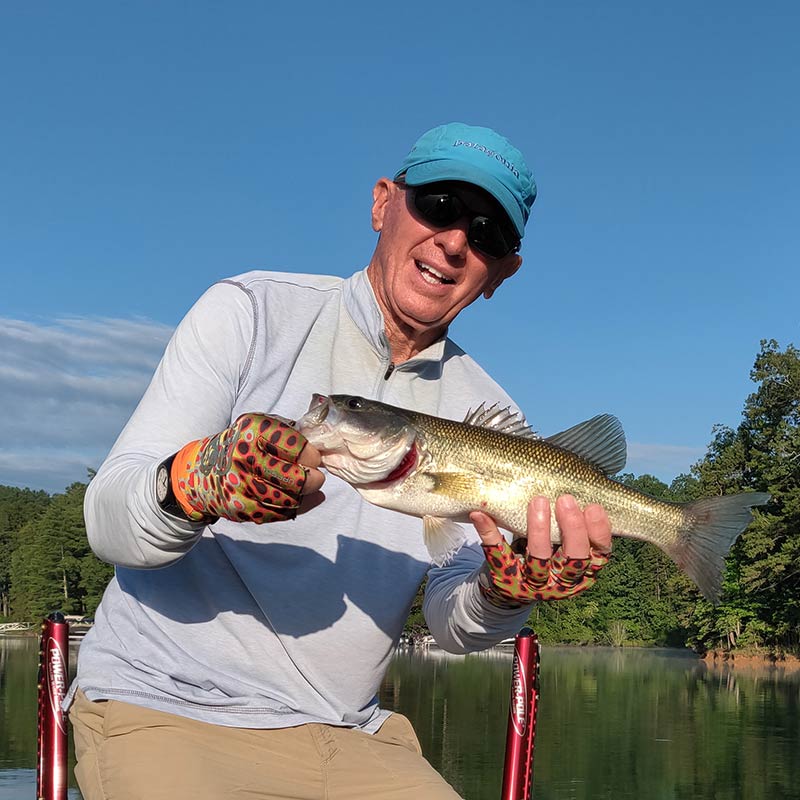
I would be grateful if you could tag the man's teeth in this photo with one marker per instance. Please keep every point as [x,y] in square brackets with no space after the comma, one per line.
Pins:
[432,275]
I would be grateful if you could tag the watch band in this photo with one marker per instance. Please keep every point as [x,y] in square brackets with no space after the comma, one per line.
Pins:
[164,494]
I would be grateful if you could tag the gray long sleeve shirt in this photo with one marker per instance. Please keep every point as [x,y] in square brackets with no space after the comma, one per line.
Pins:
[291,622]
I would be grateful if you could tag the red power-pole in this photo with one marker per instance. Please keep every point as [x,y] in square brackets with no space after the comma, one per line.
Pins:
[51,768]
[518,767]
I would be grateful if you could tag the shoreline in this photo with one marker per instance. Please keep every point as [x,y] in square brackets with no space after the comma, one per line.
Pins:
[723,660]
[726,660]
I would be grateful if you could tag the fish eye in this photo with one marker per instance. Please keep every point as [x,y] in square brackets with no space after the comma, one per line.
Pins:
[355,403]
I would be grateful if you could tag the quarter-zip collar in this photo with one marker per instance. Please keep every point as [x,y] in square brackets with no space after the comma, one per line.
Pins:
[362,306]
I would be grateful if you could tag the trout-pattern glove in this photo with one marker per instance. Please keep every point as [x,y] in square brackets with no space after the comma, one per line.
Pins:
[510,581]
[246,473]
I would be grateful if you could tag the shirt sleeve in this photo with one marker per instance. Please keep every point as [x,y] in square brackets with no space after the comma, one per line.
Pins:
[458,617]
[191,395]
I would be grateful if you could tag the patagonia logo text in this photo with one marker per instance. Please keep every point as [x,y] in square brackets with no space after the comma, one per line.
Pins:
[490,153]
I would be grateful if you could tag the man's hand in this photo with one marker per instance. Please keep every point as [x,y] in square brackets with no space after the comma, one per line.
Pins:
[257,470]
[541,574]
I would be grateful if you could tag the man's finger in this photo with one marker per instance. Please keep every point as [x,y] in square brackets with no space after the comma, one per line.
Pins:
[539,544]
[574,530]
[599,527]
[275,438]
[310,456]
[486,528]
[314,481]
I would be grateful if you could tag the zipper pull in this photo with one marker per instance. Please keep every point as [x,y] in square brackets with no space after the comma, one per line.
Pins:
[389,371]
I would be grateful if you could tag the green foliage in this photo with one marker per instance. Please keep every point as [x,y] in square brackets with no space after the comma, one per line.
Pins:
[45,556]
[17,507]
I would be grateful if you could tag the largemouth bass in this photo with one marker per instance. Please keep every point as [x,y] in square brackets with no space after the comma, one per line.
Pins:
[441,470]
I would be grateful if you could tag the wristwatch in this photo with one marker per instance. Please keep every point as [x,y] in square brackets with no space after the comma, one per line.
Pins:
[164,494]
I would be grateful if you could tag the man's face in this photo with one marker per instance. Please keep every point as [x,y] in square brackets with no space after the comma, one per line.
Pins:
[425,275]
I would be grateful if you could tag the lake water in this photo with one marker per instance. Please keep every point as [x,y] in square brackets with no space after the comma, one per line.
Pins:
[644,724]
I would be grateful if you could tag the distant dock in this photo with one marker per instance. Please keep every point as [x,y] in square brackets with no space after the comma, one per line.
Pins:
[12,628]
[78,628]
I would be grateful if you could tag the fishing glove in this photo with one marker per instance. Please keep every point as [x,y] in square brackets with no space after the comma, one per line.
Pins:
[510,581]
[246,473]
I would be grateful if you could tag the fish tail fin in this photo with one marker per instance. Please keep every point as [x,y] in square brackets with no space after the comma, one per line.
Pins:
[710,528]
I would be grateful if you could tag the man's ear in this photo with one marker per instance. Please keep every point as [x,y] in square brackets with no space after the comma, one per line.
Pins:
[504,271]
[380,197]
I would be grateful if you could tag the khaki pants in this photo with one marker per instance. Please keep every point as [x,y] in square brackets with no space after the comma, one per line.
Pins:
[126,752]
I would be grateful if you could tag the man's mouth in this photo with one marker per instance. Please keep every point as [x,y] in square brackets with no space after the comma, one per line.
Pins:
[431,275]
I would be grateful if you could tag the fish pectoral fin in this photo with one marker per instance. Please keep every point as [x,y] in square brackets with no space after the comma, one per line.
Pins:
[600,441]
[453,484]
[502,420]
[443,538]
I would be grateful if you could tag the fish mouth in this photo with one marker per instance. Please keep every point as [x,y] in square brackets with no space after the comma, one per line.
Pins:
[314,419]
[317,408]
[313,423]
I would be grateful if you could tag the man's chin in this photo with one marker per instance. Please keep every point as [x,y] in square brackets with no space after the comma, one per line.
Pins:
[423,319]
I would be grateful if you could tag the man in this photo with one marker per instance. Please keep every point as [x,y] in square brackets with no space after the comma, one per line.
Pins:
[229,656]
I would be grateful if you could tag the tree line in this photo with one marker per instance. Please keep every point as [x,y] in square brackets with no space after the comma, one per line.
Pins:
[640,598]
[45,559]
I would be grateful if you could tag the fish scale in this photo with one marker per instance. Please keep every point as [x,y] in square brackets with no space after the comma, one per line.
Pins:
[514,469]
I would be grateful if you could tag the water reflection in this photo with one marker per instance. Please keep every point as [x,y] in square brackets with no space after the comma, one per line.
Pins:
[612,724]
[644,724]
[18,698]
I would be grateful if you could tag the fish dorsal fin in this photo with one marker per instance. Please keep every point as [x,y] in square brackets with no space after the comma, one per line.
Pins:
[600,441]
[503,420]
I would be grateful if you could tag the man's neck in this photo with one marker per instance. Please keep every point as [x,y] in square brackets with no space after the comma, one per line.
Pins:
[404,341]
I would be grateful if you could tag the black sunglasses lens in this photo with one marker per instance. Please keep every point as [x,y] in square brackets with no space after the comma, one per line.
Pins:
[487,236]
[438,208]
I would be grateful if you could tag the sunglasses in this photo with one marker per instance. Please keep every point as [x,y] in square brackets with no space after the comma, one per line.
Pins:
[440,205]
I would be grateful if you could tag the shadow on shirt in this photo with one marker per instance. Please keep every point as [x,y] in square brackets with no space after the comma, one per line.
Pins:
[290,588]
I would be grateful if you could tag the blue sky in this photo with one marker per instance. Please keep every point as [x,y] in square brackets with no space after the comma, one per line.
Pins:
[148,149]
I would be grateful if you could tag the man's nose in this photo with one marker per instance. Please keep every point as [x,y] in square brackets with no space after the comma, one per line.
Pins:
[453,240]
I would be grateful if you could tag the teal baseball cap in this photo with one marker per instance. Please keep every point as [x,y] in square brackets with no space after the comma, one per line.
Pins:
[480,156]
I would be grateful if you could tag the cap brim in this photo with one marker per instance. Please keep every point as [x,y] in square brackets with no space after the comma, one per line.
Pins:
[450,170]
